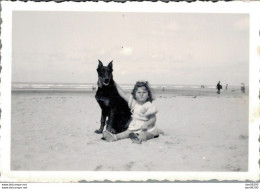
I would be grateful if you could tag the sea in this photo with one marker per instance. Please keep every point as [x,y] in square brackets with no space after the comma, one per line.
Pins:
[92,87]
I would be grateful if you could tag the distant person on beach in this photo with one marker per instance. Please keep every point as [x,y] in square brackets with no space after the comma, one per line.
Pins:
[219,87]
[226,86]
[243,88]
[142,124]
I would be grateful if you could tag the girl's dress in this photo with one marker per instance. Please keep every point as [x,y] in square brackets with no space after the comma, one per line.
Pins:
[140,115]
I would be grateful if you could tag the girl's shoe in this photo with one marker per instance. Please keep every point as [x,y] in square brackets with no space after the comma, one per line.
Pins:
[109,137]
[134,138]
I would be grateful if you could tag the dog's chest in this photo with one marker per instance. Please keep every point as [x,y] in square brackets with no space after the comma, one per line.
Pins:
[103,100]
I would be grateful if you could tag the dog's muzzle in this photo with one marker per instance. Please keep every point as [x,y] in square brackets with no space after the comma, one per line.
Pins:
[106,82]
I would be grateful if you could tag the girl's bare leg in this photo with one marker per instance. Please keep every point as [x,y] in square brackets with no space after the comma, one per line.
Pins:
[123,135]
[144,136]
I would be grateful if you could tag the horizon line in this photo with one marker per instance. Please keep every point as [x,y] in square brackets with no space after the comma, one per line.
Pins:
[121,84]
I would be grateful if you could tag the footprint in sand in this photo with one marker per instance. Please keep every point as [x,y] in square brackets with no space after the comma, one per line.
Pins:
[232,168]
[129,165]
[232,147]
[243,137]
[168,143]
[175,141]
[98,168]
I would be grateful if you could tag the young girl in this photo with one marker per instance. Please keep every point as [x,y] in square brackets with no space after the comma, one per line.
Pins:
[142,124]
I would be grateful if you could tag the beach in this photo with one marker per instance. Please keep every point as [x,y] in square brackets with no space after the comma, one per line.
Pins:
[203,131]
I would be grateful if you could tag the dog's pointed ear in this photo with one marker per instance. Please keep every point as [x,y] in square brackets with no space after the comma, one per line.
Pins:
[100,64]
[110,65]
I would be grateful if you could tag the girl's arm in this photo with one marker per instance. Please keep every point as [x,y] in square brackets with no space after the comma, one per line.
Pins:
[150,122]
[121,92]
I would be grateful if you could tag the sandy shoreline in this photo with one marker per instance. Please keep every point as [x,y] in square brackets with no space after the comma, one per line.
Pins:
[55,131]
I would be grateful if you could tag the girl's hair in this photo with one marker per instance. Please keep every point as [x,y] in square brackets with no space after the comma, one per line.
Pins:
[143,84]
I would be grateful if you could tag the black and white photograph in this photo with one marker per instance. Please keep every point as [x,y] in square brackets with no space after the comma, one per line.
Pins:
[120,90]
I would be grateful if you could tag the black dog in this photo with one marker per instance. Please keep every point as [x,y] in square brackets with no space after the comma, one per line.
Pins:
[111,103]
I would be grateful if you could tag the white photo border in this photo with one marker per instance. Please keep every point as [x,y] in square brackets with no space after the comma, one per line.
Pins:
[251,8]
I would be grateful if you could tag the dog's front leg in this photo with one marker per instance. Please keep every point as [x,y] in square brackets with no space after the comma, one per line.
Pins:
[102,122]
[110,121]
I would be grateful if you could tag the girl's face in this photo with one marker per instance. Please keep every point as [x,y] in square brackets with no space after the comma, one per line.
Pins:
[141,95]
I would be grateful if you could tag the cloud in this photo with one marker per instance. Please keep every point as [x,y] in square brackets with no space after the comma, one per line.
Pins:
[127,51]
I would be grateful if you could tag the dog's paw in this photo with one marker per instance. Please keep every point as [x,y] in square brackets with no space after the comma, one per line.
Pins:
[98,131]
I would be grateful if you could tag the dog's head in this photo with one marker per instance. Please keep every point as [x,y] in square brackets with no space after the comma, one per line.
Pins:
[104,74]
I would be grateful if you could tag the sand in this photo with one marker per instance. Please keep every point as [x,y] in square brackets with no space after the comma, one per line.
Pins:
[203,132]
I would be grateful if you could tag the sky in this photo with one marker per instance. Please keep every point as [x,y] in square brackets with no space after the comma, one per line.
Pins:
[162,48]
